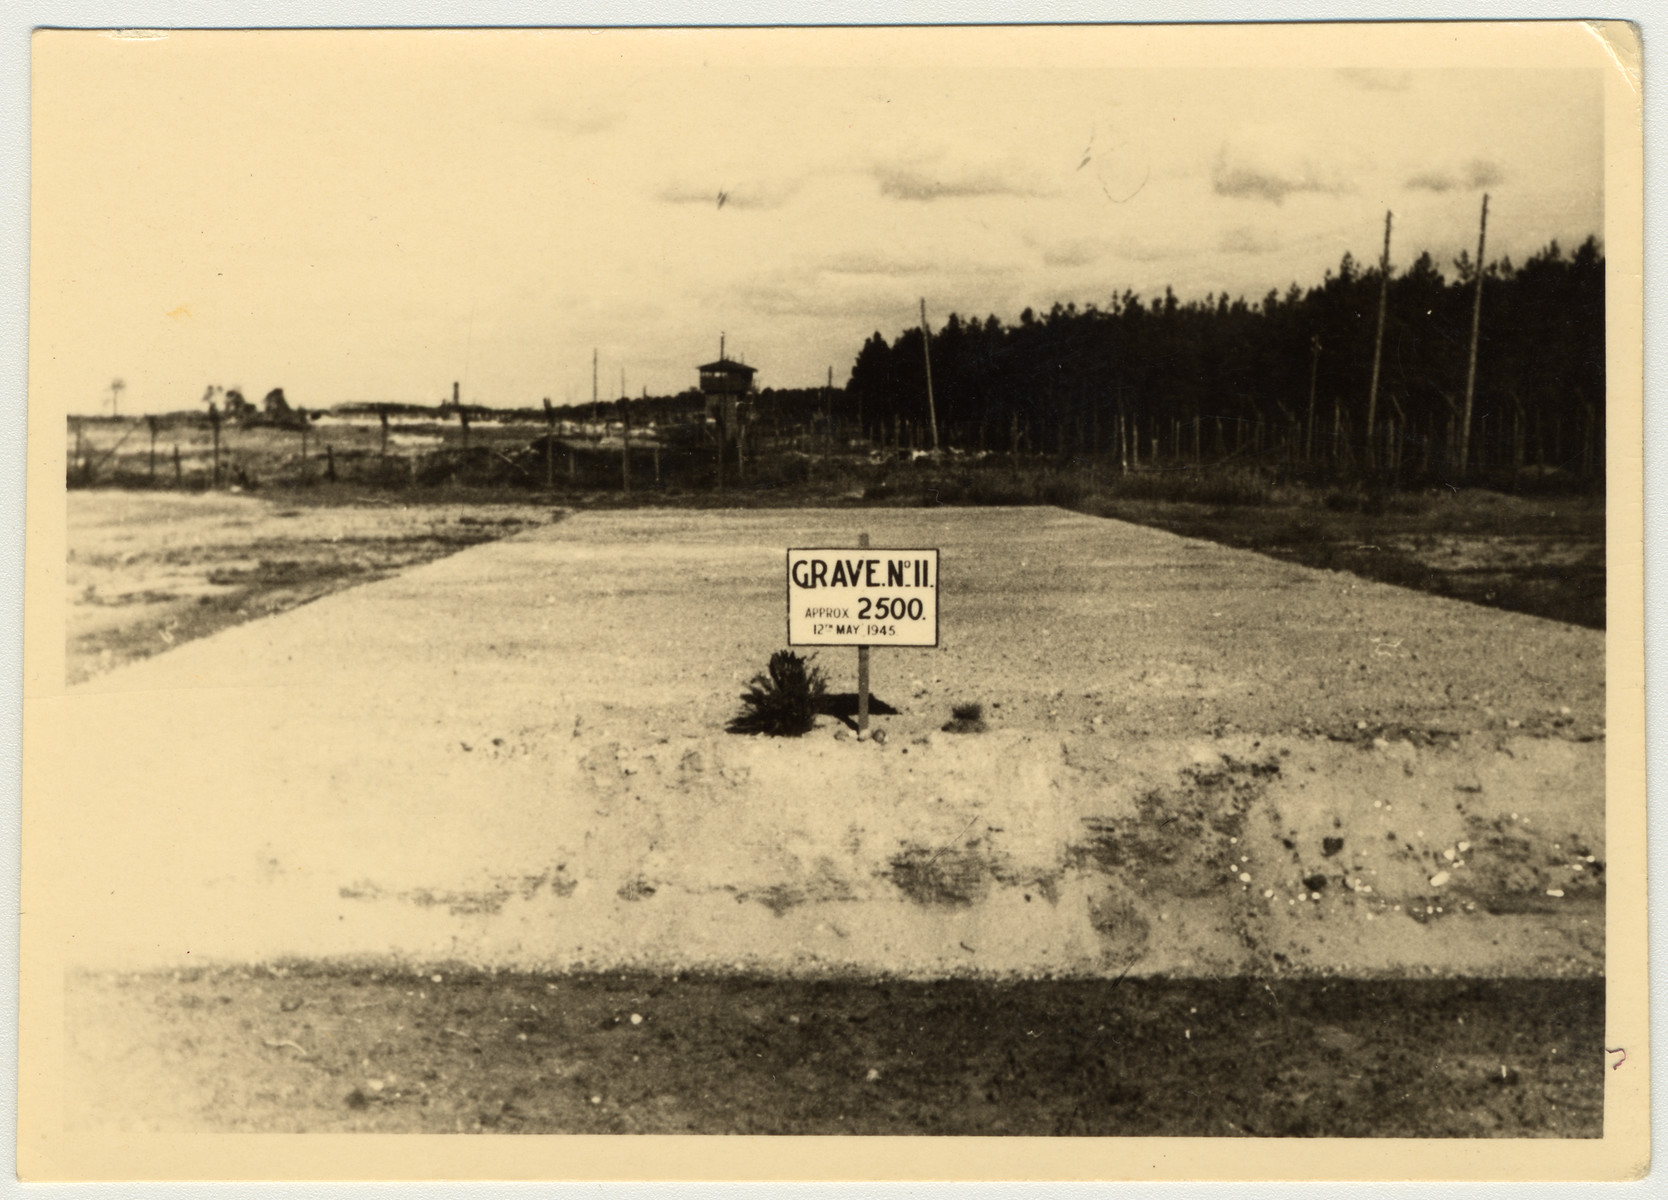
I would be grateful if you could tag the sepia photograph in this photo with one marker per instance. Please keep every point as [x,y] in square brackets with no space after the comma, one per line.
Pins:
[1040,596]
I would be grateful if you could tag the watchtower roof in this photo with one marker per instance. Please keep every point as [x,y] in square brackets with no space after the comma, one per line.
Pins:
[728,366]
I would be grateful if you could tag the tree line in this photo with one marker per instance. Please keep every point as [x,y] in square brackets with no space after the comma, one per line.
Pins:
[1287,378]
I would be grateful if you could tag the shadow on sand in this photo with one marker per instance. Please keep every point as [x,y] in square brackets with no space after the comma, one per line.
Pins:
[844,706]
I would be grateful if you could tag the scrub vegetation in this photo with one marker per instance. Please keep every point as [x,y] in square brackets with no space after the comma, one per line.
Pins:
[784,700]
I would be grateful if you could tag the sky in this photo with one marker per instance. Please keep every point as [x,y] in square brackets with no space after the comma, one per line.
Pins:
[373,216]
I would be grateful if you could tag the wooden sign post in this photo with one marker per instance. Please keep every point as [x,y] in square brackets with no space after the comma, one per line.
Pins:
[841,597]
[863,666]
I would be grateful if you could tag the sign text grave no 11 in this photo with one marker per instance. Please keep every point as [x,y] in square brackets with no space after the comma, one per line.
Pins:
[862,598]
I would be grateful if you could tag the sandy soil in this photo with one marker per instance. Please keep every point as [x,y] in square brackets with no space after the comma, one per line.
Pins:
[147,571]
[303,1048]
[1199,761]
[1543,555]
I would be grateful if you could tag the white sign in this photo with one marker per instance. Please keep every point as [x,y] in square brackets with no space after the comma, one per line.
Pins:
[864,597]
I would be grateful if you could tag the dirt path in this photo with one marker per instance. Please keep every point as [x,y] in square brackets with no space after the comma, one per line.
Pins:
[1200,761]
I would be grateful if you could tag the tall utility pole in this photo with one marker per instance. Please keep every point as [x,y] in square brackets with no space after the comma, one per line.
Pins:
[926,349]
[1378,338]
[593,384]
[625,436]
[654,439]
[1476,326]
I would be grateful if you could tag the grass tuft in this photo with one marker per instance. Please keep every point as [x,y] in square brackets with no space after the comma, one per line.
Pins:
[783,701]
[966,718]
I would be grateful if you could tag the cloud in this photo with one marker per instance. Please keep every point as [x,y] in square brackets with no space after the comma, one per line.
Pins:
[1079,252]
[1432,181]
[579,121]
[1139,250]
[1242,239]
[869,286]
[742,195]
[867,262]
[903,182]
[793,299]
[1478,173]
[1375,80]
[1241,175]
[1070,251]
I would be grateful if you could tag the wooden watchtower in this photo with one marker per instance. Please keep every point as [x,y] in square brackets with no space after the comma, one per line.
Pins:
[726,384]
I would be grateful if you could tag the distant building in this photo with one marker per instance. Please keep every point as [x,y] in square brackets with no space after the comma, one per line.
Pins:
[726,378]
[724,384]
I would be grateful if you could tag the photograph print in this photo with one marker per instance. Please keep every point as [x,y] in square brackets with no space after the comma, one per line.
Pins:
[962,583]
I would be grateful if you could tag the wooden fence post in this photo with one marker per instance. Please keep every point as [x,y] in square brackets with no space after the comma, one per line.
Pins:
[549,446]
[1518,427]
[214,422]
[1314,367]
[741,445]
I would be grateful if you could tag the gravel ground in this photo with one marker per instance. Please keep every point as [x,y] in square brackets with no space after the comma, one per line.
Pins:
[1199,760]
[1246,848]
[276,1049]
[147,571]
